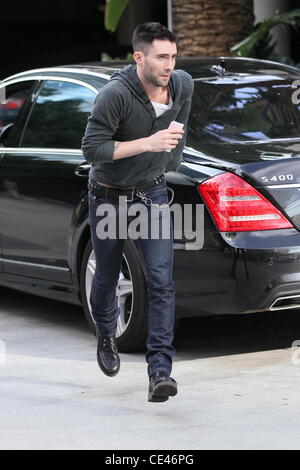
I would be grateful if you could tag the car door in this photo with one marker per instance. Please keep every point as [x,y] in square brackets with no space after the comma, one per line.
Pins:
[15,99]
[40,189]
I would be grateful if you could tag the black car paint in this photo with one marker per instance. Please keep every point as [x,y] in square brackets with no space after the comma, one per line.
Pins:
[232,273]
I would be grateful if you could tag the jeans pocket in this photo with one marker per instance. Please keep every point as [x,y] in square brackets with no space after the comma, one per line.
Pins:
[158,189]
[159,198]
[165,195]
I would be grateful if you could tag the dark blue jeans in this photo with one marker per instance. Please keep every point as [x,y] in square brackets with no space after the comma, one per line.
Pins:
[156,249]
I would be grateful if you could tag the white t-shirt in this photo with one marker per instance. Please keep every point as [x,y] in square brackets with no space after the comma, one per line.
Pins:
[161,108]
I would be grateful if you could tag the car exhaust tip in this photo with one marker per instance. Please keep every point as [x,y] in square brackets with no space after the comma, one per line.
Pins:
[284,303]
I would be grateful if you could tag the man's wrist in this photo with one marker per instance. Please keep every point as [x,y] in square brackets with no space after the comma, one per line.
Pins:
[131,148]
[145,144]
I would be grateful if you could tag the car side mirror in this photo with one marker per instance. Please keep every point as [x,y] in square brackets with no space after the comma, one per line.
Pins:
[5,131]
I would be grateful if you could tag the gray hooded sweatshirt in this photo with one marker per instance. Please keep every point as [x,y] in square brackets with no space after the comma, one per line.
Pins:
[122,112]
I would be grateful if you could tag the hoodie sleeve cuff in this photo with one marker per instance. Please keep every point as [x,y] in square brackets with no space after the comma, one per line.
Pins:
[105,151]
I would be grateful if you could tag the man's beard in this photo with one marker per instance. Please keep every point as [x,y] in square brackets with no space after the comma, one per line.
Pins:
[156,81]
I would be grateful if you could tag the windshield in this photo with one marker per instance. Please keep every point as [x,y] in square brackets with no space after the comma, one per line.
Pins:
[243,112]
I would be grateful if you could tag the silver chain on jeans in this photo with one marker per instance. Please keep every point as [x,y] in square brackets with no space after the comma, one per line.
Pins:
[148,200]
[144,198]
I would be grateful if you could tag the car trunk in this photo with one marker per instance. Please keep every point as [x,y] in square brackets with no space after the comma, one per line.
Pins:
[272,167]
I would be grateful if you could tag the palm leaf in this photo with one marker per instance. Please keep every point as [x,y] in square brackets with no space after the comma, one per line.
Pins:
[113,11]
[245,48]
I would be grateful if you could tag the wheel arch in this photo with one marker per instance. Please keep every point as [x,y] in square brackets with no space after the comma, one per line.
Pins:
[78,251]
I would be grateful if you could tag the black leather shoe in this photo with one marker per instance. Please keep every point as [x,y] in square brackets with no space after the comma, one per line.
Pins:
[107,354]
[161,387]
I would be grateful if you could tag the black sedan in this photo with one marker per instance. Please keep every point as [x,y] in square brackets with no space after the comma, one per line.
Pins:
[242,161]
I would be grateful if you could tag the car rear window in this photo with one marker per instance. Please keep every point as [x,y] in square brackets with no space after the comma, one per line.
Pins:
[230,112]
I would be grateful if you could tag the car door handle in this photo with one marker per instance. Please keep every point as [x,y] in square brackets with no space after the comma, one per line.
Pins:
[83,169]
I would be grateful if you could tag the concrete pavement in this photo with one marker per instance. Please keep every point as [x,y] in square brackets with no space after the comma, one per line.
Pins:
[238,388]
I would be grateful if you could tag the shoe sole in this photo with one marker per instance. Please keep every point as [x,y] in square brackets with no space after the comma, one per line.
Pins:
[163,391]
[157,398]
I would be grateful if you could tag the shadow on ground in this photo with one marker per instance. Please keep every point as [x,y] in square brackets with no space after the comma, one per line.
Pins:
[196,337]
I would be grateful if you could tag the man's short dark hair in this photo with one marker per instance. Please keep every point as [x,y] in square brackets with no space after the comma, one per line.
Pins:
[144,34]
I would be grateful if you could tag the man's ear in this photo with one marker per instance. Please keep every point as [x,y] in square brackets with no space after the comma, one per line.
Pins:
[138,57]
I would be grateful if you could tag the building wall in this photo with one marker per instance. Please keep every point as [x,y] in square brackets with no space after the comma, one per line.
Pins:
[281,34]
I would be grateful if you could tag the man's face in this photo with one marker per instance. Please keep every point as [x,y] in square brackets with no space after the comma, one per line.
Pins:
[158,62]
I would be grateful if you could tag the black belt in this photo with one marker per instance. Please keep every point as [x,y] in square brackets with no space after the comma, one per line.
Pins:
[113,193]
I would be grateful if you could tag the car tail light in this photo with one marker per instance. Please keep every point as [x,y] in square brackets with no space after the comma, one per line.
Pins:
[12,104]
[236,206]
[9,105]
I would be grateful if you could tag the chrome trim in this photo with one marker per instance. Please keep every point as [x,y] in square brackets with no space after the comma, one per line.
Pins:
[26,263]
[296,305]
[265,141]
[50,77]
[39,150]
[282,186]
[58,69]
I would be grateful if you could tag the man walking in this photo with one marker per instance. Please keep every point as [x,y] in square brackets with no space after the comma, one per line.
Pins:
[129,146]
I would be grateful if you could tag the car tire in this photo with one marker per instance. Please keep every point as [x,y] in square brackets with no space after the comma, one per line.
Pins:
[132,297]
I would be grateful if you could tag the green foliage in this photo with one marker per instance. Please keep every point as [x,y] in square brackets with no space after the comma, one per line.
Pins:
[113,11]
[107,58]
[259,43]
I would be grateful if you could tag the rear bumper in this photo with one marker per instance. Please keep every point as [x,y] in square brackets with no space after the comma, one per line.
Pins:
[235,274]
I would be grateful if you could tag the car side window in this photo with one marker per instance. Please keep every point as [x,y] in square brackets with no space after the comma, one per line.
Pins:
[16,95]
[59,116]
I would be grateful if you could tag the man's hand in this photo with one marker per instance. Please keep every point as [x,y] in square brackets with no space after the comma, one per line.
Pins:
[166,139]
[158,142]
